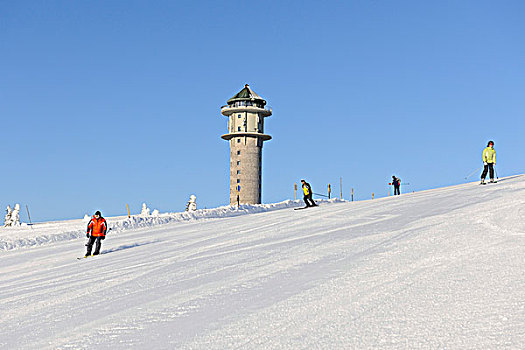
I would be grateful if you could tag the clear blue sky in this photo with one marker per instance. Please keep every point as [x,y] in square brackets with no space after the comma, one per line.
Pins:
[104,103]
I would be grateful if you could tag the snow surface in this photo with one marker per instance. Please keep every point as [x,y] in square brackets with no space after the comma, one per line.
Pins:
[439,269]
[48,232]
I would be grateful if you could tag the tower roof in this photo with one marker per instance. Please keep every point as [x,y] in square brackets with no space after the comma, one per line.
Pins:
[246,94]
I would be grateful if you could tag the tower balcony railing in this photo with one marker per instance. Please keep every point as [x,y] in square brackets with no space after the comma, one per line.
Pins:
[231,135]
[228,109]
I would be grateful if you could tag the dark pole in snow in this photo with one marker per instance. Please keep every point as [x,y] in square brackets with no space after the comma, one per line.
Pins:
[28,215]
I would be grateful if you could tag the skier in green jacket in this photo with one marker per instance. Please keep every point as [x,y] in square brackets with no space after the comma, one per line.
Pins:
[489,160]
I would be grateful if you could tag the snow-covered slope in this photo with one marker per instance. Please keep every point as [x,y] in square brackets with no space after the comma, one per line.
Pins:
[51,232]
[436,269]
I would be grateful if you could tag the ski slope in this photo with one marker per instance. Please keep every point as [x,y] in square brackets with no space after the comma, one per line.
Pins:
[440,269]
[49,232]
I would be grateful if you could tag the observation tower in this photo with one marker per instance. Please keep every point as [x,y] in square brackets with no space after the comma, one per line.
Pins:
[246,112]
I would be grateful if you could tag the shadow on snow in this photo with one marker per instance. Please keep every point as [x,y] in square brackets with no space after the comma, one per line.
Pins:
[126,246]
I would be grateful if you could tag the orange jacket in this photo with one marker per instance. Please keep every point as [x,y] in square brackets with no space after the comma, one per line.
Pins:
[97,227]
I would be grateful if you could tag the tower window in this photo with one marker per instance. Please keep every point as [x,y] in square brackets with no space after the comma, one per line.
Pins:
[238,128]
[238,181]
[239,115]
[238,172]
[238,153]
[239,140]
[238,162]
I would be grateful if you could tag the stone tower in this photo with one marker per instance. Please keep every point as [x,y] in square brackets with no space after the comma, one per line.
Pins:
[246,112]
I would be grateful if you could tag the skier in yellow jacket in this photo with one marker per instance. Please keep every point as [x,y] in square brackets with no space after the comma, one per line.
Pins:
[307,190]
[489,160]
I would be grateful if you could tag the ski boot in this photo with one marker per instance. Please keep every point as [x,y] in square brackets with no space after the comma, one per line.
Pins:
[482,182]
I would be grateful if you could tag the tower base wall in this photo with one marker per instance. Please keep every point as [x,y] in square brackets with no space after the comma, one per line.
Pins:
[246,169]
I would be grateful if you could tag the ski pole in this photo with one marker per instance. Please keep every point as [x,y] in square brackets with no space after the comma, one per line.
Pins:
[322,195]
[472,173]
[497,178]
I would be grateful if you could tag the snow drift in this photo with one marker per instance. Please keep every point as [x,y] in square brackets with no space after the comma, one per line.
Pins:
[45,233]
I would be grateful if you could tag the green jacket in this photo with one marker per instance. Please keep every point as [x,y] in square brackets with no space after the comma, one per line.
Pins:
[489,155]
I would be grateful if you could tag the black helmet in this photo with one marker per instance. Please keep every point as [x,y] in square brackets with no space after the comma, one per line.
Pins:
[98,213]
[488,144]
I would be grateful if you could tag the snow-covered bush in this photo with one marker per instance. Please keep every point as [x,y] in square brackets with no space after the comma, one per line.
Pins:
[192,203]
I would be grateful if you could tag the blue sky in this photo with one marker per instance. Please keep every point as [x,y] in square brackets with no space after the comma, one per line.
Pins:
[104,103]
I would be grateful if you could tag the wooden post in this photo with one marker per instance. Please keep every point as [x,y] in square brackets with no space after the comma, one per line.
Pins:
[329,191]
[372,195]
[29,215]
[296,191]
[129,216]
[341,186]
[352,194]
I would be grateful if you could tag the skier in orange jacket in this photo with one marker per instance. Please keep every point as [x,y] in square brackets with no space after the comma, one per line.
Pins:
[96,232]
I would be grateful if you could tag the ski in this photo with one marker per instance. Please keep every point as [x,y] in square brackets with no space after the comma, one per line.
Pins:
[84,257]
[301,208]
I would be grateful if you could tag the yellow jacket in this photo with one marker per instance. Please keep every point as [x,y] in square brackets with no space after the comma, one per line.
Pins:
[306,189]
[489,155]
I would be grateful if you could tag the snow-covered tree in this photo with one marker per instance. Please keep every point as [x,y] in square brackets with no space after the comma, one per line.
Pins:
[15,216]
[12,216]
[7,219]
[145,210]
[192,203]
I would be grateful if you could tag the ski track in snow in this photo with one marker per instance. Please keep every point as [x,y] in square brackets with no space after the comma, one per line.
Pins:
[439,269]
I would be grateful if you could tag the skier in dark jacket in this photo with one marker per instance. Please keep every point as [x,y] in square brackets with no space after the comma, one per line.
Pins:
[397,184]
[307,190]
[96,232]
